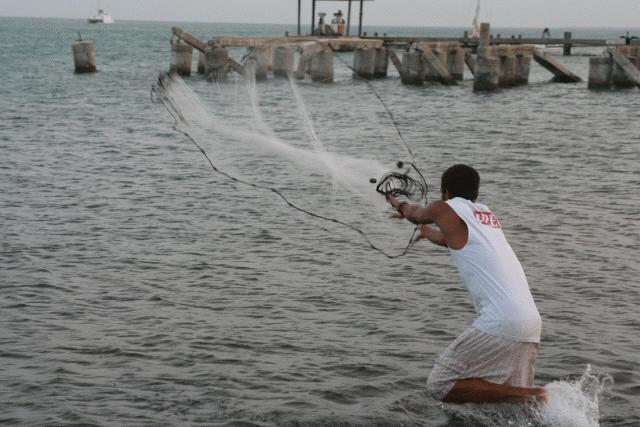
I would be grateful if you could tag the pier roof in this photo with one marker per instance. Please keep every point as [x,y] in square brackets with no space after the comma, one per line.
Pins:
[313,14]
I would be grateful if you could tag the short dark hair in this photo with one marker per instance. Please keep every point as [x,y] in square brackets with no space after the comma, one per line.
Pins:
[461,181]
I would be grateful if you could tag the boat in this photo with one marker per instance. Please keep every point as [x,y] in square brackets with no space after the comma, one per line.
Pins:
[475,25]
[101,17]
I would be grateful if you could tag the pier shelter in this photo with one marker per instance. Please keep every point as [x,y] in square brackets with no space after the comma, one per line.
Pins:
[348,22]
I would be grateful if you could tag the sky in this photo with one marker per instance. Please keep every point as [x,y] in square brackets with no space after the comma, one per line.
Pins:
[445,13]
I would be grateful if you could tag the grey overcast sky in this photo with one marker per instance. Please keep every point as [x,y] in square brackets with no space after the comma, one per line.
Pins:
[458,13]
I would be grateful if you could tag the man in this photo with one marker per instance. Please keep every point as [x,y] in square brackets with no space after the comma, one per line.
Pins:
[493,360]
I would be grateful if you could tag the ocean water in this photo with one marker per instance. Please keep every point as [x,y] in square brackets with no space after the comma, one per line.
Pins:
[137,287]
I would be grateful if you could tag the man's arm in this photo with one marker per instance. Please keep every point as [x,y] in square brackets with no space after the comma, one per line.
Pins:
[434,236]
[452,231]
[418,214]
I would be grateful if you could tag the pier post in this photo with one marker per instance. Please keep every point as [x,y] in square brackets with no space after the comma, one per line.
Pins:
[364,62]
[381,67]
[600,72]
[413,68]
[507,76]
[181,58]
[523,67]
[283,57]
[216,63]
[455,61]
[201,63]
[84,57]
[485,38]
[618,75]
[487,74]
[304,61]
[567,44]
[260,65]
[629,69]
[322,66]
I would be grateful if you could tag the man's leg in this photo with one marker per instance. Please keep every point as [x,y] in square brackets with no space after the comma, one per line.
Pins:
[475,390]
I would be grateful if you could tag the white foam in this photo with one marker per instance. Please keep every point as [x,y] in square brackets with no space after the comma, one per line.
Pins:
[575,403]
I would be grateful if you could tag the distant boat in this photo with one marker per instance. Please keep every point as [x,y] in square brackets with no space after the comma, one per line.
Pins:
[101,17]
[475,25]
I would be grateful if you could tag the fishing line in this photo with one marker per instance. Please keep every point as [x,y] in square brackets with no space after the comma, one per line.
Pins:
[158,94]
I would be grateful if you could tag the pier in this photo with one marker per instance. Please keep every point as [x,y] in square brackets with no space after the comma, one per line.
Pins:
[493,61]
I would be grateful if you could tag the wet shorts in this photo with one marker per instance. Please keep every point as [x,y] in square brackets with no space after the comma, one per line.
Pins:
[475,354]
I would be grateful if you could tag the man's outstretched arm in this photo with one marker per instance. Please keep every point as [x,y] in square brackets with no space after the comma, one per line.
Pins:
[418,214]
[431,234]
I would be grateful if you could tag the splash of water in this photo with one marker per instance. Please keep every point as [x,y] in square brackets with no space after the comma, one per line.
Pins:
[570,403]
[575,403]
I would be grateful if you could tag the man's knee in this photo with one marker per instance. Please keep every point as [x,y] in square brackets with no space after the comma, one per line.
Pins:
[438,388]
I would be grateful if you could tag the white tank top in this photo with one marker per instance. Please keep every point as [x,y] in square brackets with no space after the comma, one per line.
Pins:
[494,277]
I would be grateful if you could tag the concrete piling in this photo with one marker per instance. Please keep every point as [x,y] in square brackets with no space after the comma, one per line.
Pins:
[485,38]
[413,68]
[523,66]
[381,67]
[507,74]
[455,62]
[304,61]
[628,71]
[259,66]
[600,72]
[566,47]
[364,62]
[84,57]
[216,63]
[486,76]
[619,78]
[181,58]
[283,58]
[322,66]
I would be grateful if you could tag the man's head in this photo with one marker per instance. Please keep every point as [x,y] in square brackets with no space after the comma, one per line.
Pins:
[460,181]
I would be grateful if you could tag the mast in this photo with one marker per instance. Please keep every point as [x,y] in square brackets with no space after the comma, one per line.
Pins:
[475,25]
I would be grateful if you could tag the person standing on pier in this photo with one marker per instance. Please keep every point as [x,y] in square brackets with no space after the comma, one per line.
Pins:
[493,360]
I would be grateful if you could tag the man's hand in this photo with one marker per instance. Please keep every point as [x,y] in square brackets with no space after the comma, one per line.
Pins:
[393,201]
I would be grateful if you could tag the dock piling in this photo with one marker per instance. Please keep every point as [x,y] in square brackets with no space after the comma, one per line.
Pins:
[412,68]
[485,38]
[322,66]
[507,73]
[487,73]
[566,47]
[304,61]
[600,72]
[84,56]
[364,62]
[381,67]
[216,63]
[181,58]
[283,58]
[455,62]
[624,73]
[523,66]
[258,56]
